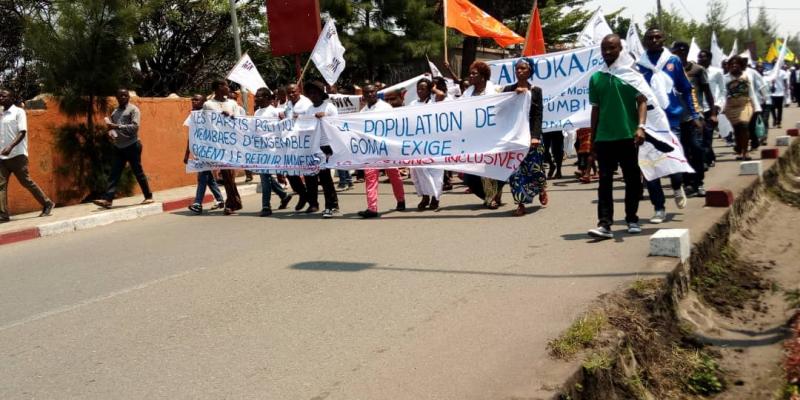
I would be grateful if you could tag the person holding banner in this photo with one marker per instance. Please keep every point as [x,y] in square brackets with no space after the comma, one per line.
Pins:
[664,72]
[619,114]
[529,180]
[372,175]
[297,103]
[320,108]
[263,102]
[205,179]
[222,104]
[488,189]
[427,181]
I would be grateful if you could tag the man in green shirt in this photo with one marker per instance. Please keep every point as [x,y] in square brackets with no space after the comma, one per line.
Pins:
[619,113]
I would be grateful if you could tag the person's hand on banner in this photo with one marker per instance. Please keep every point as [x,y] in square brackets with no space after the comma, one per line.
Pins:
[521,90]
[639,138]
[535,142]
[320,114]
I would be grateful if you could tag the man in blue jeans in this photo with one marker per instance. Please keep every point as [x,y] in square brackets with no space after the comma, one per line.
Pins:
[205,179]
[664,72]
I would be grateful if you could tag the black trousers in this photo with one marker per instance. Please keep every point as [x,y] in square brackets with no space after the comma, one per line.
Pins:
[625,155]
[777,110]
[297,185]
[120,157]
[312,189]
[553,149]
[692,142]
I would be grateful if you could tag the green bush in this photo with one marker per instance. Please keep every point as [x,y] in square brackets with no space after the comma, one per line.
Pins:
[88,155]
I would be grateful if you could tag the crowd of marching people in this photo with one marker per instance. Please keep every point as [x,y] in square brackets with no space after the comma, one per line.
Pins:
[697,99]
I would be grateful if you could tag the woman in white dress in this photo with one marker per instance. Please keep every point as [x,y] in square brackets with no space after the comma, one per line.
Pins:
[427,181]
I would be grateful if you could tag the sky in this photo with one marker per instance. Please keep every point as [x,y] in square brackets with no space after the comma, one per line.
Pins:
[786,13]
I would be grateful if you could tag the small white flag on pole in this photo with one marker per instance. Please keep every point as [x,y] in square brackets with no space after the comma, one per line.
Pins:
[734,49]
[328,54]
[635,47]
[246,74]
[434,71]
[596,29]
[694,51]
[774,73]
[717,56]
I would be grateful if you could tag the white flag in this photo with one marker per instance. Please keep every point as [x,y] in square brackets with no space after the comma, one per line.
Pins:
[246,74]
[328,54]
[694,51]
[734,49]
[716,52]
[635,47]
[775,71]
[434,71]
[596,29]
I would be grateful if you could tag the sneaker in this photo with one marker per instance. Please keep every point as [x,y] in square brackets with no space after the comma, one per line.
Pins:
[330,212]
[218,205]
[634,228]
[659,217]
[265,212]
[368,214]
[690,191]
[680,198]
[285,202]
[4,220]
[401,206]
[148,201]
[601,232]
[196,208]
[701,191]
[48,209]
[341,188]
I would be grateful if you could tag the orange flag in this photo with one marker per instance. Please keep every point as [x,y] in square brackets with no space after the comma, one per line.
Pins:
[472,21]
[534,40]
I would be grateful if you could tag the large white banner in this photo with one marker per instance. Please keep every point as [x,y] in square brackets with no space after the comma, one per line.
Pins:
[564,79]
[328,54]
[288,146]
[486,135]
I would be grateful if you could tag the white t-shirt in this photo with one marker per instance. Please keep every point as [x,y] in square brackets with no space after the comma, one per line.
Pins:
[300,108]
[268,112]
[379,105]
[417,102]
[13,121]
[781,84]
[326,107]
[228,106]
[490,88]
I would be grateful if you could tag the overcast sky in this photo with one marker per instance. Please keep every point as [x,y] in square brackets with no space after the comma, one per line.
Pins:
[785,13]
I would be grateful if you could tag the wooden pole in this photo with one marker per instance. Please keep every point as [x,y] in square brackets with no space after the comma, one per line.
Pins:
[300,78]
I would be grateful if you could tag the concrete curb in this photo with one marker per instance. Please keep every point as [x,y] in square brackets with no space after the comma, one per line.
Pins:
[108,217]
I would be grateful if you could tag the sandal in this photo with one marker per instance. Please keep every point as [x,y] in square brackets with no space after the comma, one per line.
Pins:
[492,205]
[544,198]
[520,211]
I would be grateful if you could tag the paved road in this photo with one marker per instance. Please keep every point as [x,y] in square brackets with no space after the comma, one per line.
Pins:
[457,304]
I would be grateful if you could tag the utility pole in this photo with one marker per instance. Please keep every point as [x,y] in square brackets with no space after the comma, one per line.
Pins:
[660,19]
[238,46]
[749,31]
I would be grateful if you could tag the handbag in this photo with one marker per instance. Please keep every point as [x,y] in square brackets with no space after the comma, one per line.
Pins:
[761,128]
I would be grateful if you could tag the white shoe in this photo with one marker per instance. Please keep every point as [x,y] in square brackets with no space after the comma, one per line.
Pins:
[659,217]
[634,228]
[680,198]
[601,232]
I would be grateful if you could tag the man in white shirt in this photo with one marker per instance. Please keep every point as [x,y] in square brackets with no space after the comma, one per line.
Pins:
[269,184]
[371,176]
[14,155]
[224,105]
[716,83]
[779,90]
[296,103]
[320,108]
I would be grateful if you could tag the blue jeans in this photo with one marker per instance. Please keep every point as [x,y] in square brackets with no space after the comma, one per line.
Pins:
[345,179]
[206,179]
[654,189]
[270,184]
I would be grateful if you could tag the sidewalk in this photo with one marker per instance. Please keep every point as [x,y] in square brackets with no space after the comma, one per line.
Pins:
[85,216]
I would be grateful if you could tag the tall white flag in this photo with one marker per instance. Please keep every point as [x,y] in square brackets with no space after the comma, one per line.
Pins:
[596,29]
[246,74]
[434,71]
[635,47]
[716,52]
[694,51]
[328,54]
[734,49]
[775,71]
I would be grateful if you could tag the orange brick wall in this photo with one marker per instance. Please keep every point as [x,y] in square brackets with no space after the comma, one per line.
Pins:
[163,139]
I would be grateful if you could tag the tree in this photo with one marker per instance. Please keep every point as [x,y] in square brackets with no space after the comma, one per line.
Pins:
[16,71]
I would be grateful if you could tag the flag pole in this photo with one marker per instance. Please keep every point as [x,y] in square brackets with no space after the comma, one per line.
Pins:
[237,45]
[444,2]
[300,78]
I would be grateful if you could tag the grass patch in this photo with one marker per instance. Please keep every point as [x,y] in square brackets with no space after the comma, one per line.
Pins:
[727,283]
[705,378]
[579,336]
[598,361]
